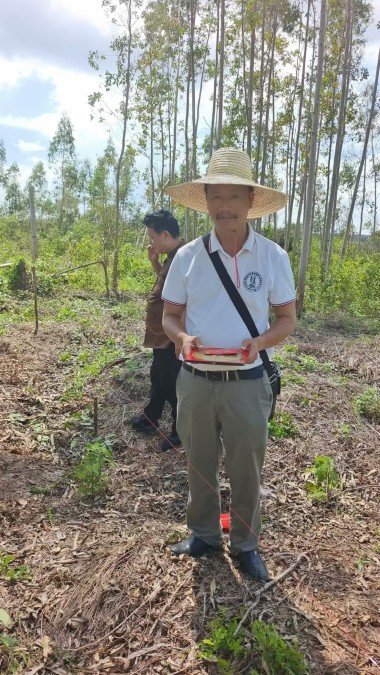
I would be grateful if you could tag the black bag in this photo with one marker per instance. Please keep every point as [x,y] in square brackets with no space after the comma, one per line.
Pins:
[272,368]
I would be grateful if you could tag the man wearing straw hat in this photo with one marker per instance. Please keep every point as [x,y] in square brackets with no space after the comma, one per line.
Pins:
[198,312]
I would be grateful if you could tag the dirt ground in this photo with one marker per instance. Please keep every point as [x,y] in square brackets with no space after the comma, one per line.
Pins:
[104,594]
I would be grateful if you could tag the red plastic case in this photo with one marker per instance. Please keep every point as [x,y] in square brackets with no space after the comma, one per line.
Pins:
[218,356]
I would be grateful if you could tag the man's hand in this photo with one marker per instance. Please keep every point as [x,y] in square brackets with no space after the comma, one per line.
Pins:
[253,349]
[153,257]
[152,253]
[185,343]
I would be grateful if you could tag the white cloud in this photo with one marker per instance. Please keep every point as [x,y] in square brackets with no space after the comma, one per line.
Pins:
[29,146]
[89,10]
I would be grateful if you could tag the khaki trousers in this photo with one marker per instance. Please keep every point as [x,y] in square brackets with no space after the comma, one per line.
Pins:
[240,410]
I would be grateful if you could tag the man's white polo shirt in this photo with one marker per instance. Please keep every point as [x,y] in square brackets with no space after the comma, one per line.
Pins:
[265,279]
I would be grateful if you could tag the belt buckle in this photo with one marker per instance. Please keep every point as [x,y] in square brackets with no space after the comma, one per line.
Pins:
[214,375]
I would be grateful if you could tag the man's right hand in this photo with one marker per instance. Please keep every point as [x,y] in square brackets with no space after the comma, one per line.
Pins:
[152,253]
[185,343]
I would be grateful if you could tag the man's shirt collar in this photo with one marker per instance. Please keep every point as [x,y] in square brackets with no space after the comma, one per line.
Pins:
[248,245]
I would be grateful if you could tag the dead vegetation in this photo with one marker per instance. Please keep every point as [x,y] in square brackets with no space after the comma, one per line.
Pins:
[105,595]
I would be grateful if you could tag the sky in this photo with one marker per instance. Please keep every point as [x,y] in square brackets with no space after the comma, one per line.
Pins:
[44,71]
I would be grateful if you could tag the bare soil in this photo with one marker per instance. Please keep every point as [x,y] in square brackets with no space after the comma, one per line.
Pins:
[104,594]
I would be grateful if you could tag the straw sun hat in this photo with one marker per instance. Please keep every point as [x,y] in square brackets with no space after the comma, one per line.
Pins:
[233,167]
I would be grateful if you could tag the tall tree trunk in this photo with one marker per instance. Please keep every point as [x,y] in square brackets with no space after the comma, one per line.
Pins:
[364,154]
[262,84]
[250,90]
[221,75]
[175,110]
[338,143]
[214,97]
[115,266]
[289,159]
[307,228]
[299,123]
[374,170]
[268,99]
[363,203]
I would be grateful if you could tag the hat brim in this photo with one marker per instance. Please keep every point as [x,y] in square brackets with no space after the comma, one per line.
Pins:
[265,200]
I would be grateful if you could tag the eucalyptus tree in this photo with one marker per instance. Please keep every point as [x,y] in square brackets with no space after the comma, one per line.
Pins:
[307,228]
[159,90]
[364,155]
[117,79]
[38,180]
[62,158]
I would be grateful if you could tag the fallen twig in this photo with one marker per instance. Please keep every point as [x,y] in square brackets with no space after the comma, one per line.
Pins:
[372,427]
[268,585]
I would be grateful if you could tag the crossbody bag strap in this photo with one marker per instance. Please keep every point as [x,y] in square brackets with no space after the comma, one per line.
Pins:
[237,300]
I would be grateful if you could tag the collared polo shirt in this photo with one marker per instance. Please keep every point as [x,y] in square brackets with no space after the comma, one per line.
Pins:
[265,279]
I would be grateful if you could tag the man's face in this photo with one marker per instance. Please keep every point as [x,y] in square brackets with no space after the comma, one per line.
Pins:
[161,242]
[228,205]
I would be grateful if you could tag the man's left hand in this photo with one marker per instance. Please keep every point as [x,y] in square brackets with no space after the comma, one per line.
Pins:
[253,349]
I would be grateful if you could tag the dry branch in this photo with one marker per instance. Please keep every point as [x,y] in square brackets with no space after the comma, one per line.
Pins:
[266,587]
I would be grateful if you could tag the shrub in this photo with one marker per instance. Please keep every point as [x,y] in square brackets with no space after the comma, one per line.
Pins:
[325,478]
[90,472]
[367,404]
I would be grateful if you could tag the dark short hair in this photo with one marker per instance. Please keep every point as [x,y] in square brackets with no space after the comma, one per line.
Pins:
[162,220]
[205,185]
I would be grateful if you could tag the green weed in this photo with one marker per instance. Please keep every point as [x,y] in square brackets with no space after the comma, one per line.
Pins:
[277,656]
[13,572]
[50,516]
[66,314]
[81,420]
[282,426]
[64,357]
[292,349]
[35,423]
[90,472]
[367,404]
[290,378]
[43,490]
[322,478]
[344,431]
[259,647]
[225,643]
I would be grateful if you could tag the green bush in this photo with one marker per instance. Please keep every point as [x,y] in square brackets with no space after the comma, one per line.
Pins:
[90,472]
[367,404]
[282,426]
[234,649]
[325,478]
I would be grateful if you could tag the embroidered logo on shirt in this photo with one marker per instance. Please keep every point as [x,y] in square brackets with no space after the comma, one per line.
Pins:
[253,281]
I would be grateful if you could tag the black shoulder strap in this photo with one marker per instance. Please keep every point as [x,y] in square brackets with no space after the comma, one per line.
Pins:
[237,300]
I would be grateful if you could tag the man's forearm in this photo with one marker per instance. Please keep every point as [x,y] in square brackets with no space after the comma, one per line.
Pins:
[281,329]
[174,327]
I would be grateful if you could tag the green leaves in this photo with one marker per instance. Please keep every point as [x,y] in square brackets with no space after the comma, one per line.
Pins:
[325,478]
[233,648]
[367,404]
[90,472]
[5,619]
